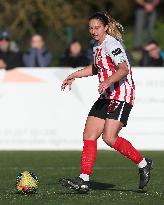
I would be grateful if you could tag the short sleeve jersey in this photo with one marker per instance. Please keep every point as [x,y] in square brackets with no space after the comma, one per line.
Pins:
[106,59]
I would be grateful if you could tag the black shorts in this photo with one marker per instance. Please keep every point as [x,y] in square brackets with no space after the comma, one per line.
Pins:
[111,109]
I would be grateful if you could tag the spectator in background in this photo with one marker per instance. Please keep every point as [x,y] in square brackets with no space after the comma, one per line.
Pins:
[151,55]
[8,58]
[91,44]
[38,55]
[145,17]
[74,56]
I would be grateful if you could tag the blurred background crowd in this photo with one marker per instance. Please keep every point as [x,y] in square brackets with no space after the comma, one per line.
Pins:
[40,33]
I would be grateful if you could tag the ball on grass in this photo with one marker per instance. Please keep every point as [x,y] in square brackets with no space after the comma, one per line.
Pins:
[26,183]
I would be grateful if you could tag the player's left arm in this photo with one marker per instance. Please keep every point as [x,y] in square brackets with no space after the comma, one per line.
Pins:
[118,56]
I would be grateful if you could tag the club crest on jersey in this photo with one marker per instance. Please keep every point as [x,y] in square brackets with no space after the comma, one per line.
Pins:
[99,56]
[117,51]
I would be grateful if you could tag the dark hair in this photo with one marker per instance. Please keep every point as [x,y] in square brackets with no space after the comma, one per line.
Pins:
[115,29]
[152,42]
[67,52]
[101,16]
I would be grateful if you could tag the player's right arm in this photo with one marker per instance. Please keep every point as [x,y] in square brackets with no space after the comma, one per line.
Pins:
[85,72]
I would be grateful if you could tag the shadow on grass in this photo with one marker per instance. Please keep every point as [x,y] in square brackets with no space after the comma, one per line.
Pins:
[94,186]
[105,186]
[101,186]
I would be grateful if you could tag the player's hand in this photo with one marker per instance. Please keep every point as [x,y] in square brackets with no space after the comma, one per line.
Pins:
[68,82]
[2,64]
[149,7]
[104,85]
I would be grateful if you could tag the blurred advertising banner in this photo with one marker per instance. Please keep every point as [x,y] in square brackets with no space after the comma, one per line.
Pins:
[36,115]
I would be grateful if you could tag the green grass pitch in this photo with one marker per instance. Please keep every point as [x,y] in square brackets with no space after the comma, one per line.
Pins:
[114,179]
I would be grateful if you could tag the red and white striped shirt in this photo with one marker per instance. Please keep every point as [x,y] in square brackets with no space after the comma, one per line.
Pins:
[107,57]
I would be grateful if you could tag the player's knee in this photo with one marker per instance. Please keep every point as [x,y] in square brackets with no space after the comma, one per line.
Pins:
[89,135]
[109,139]
[86,136]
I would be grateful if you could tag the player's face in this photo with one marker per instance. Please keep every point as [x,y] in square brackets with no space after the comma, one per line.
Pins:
[37,42]
[97,30]
[4,44]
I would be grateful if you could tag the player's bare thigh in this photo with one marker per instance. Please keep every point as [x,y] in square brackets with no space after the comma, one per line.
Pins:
[111,130]
[93,128]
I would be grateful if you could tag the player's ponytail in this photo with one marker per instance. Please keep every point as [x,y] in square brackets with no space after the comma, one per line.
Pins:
[115,29]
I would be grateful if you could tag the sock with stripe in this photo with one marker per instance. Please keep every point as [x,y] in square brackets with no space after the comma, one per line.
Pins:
[88,158]
[125,148]
[142,164]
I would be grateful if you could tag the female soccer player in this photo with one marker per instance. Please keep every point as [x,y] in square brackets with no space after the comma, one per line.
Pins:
[111,111]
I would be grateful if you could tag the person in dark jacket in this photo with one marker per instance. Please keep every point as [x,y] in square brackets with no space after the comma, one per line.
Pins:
[145,19]
[151,55]
[38,55]
[74,56]
[8,58]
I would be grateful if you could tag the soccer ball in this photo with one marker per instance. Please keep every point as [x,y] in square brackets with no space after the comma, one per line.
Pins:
[26,183]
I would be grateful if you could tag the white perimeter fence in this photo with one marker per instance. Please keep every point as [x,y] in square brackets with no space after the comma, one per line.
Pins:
[36,115]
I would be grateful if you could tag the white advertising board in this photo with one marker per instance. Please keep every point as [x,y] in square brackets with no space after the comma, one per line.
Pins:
[36,115]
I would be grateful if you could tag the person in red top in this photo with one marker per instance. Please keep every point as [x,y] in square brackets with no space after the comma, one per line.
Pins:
[111,111]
